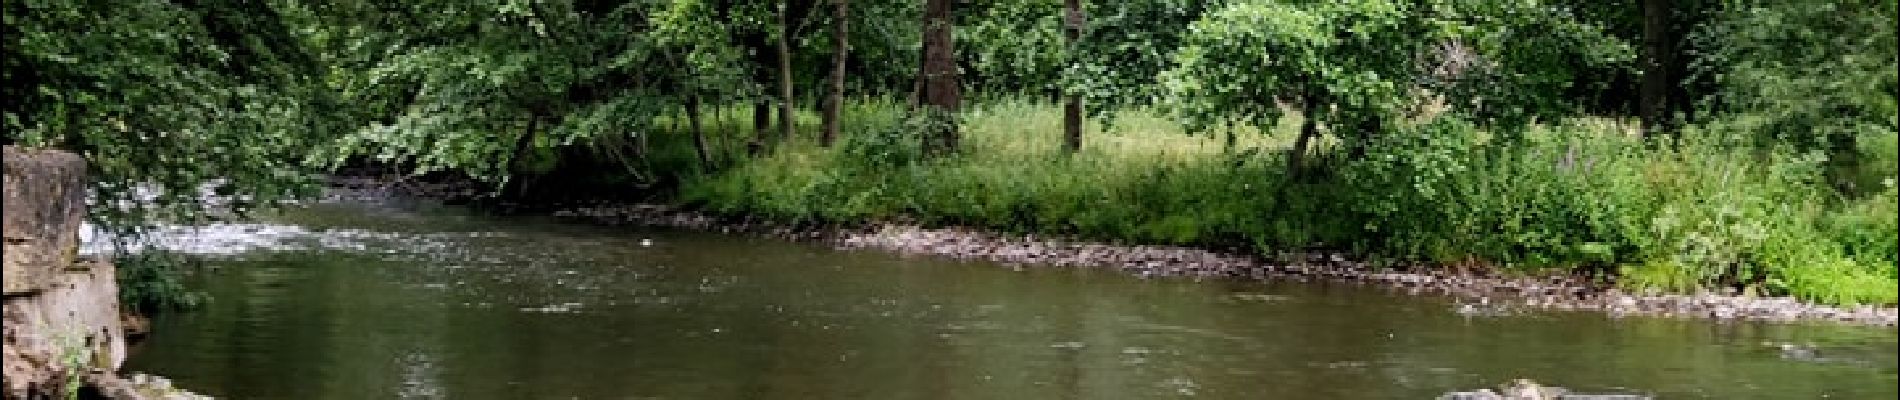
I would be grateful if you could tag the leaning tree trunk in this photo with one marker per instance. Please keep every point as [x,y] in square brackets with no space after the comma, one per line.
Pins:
[518,160]
[785,115]
[834,104]
[1658,57]
[1072,108]
[940,96]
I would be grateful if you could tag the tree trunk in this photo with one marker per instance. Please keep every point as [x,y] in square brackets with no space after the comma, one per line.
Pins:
[1658,57]
[523,143]
[1362,138]
[940,96]
[761,123]
[916,96]
[758,44]
[1309,127]
[1072,108]
[516,163]
[699,136]
[785,115]
[834,104]
[722,140]
[761,118]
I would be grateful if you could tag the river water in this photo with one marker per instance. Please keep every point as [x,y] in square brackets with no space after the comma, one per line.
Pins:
[355,301]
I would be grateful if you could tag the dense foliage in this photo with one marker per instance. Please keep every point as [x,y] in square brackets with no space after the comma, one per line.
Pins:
[1817,76]
[1494,132]
[167,100]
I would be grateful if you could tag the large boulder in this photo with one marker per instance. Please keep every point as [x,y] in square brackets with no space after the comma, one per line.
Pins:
[57,334]
[61,315]
[45,203]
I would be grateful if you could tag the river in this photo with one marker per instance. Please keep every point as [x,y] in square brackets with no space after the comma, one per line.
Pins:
[368,301]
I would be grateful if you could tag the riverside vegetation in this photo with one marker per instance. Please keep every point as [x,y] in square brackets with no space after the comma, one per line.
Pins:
[1683,146]
[1585,194]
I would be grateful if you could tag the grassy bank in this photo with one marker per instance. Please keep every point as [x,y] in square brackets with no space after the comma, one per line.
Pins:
[1584,195]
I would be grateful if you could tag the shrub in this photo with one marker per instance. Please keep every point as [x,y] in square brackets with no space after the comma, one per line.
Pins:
[152,280]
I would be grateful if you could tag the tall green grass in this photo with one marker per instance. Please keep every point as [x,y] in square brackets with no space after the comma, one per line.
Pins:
[1707,212]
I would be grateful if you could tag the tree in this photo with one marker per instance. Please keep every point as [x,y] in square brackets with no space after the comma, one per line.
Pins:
[166,100]
[1339,61]
[1360,68]
[939,95]
[1125,47]
[840,46]
[1507,63]
[786,117]
[703,61]
[493,90]
[1014,48]
[1814,75]
[1659,58]
[1072,107]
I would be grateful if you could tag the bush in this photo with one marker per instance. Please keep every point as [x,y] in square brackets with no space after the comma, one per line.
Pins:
[152,280]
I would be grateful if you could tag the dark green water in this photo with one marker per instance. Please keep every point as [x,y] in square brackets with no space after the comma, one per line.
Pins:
[353,302]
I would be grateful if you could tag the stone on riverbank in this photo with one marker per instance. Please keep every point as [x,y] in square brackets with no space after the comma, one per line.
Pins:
[105,384]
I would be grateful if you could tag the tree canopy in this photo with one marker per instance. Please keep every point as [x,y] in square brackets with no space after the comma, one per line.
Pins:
[171,97]
[168,99]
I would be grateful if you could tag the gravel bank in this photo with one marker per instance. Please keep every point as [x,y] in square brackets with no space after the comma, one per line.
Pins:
[1479,293]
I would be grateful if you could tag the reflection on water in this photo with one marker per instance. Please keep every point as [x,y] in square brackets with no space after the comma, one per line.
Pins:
[349,302]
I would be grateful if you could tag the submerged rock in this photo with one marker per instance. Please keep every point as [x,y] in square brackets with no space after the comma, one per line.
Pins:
[1480,394]
[1529,390]
[1525,389]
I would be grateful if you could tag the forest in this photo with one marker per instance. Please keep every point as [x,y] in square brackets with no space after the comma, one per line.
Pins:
[1675,145]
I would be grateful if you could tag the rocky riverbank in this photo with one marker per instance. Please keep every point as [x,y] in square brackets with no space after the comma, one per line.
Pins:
[1480,292]
[65,332]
